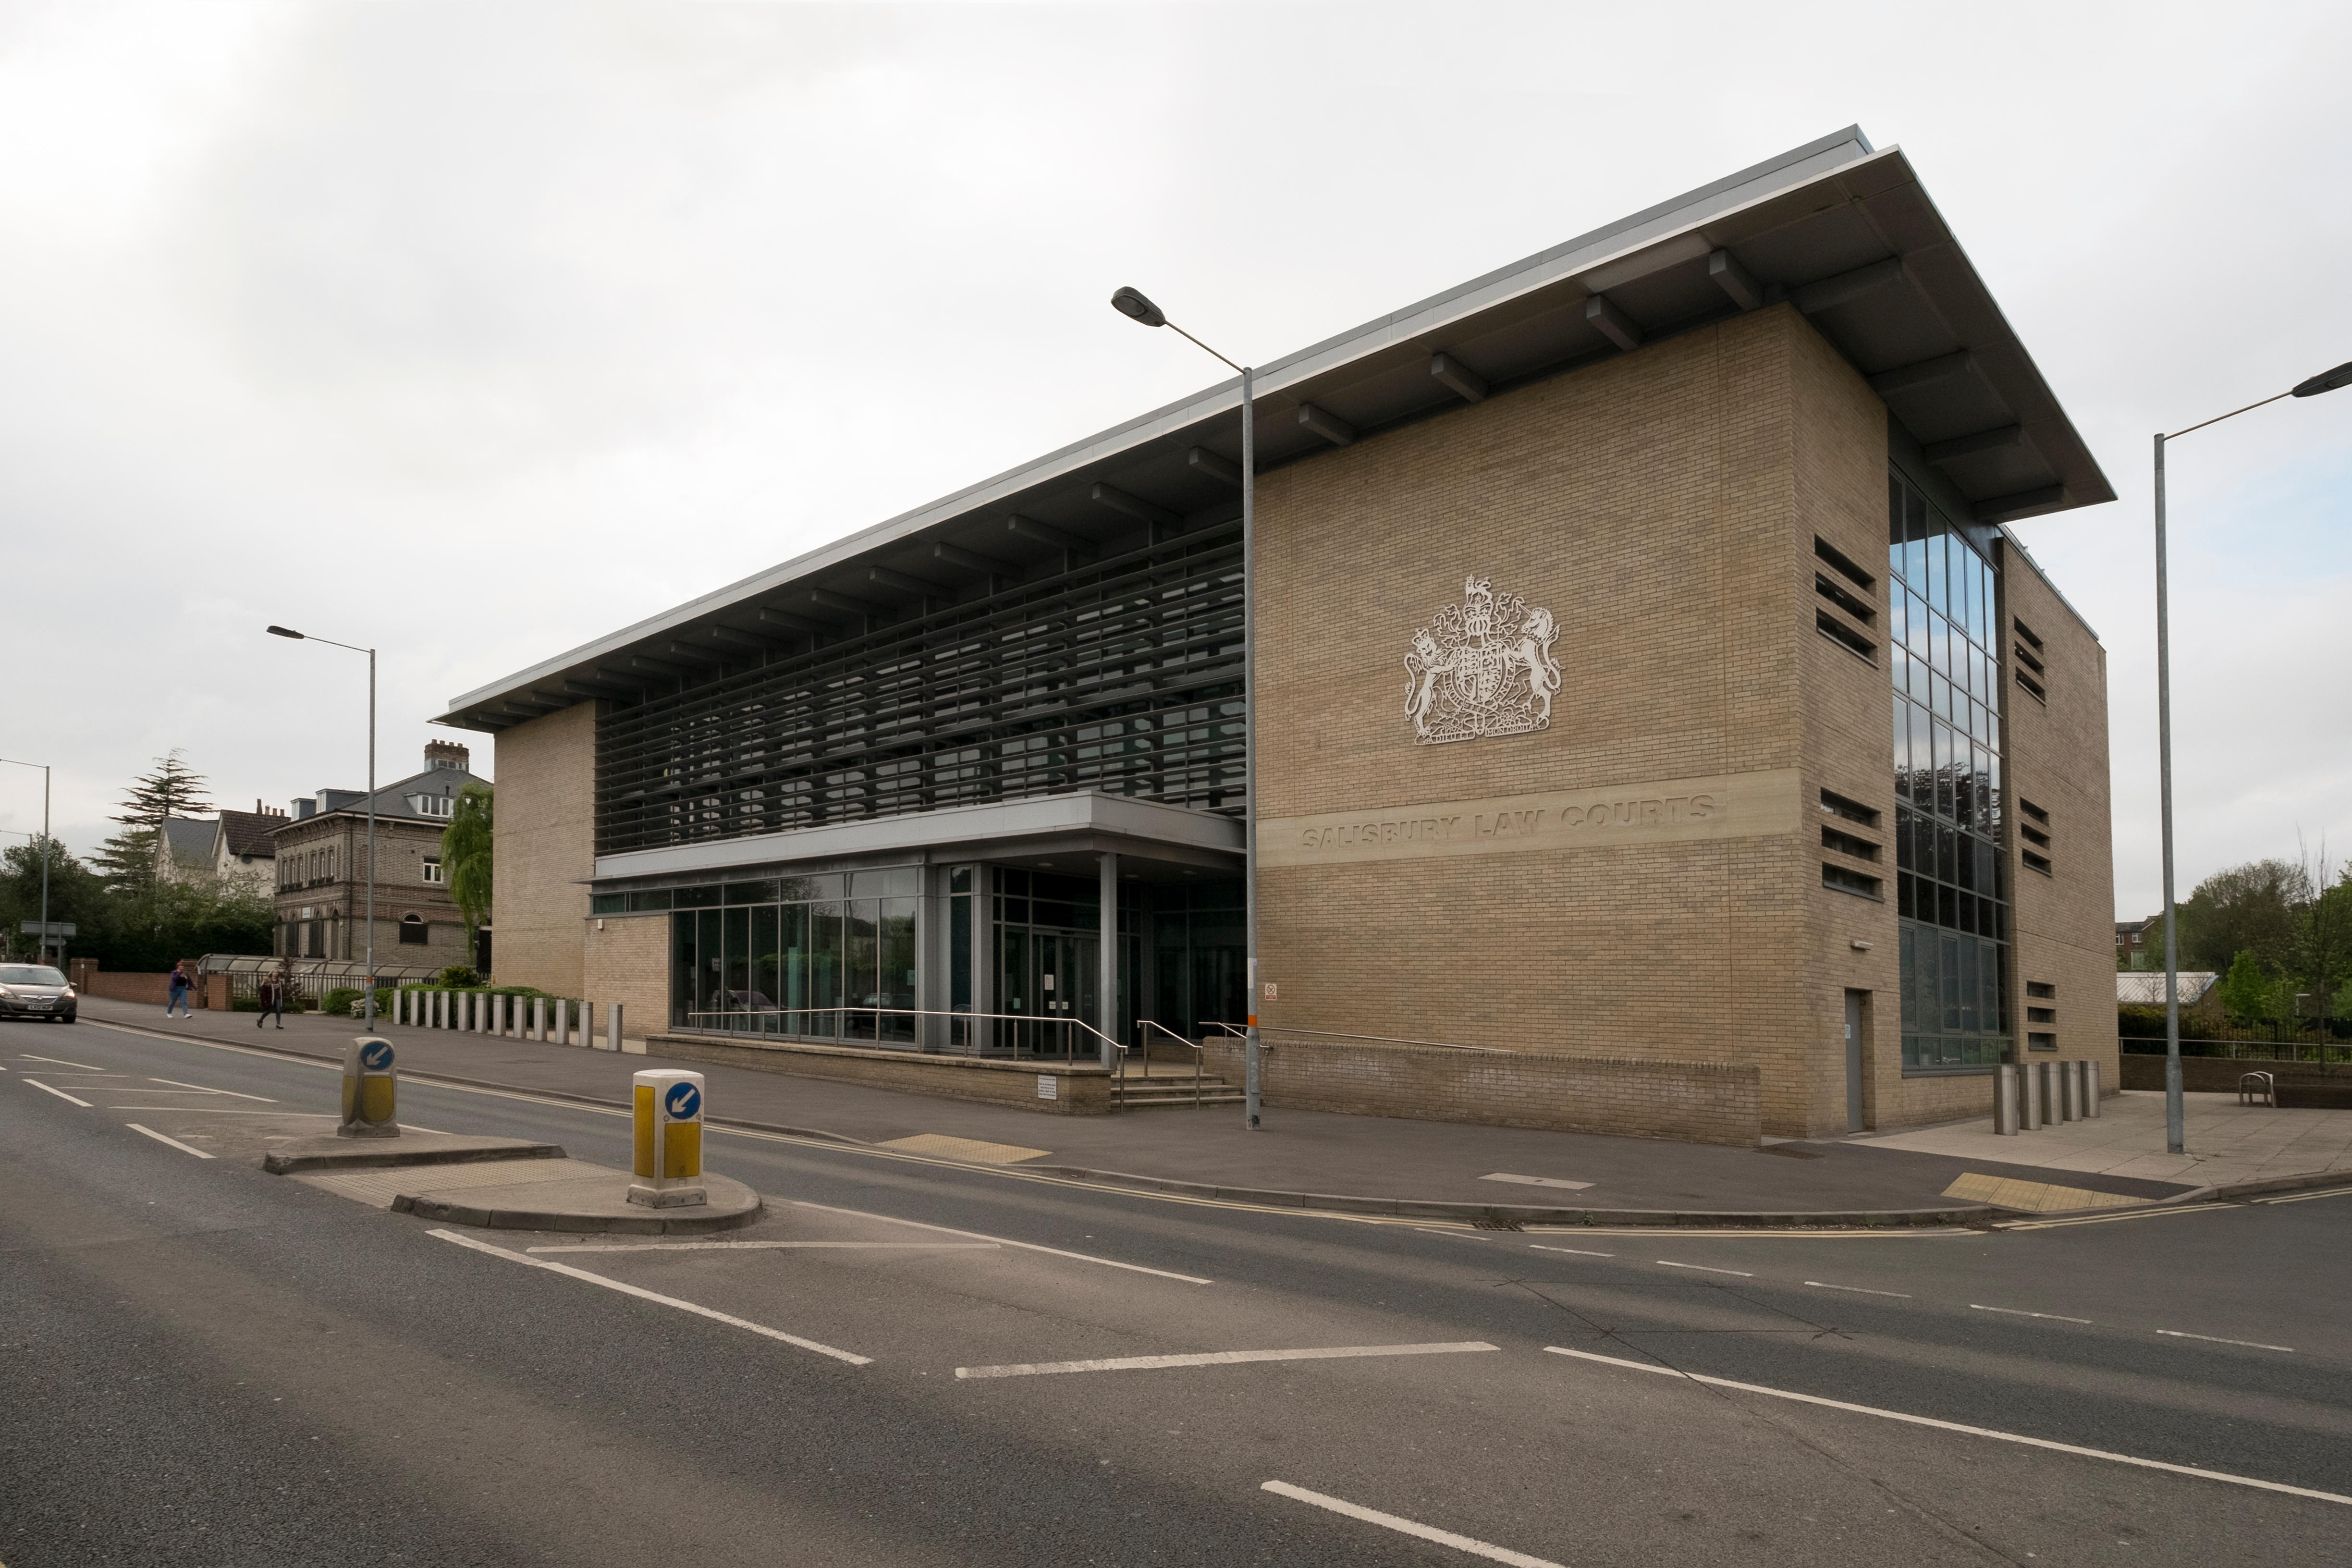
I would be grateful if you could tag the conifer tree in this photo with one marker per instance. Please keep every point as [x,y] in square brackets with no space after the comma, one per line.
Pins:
[170,789]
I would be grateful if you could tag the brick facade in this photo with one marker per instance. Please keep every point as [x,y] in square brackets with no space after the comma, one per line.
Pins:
[545,850]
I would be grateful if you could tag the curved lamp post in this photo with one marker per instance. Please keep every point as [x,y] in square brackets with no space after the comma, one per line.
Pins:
[300,637]
[1131,303]
[2327,380]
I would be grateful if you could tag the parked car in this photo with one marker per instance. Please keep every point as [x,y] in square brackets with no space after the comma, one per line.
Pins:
[35,991]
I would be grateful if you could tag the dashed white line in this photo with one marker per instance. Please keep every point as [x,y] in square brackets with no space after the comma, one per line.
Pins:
[1702,1268]
[644,1295]
[2014,1312]
[1003,1241]
[1216,1358]
[1857,1289]
[771,1246]
[200,1089]
[61,1094]
[175,1143]
[1490,1552]
[1957,1427]
[1579,1251]
[2209,1338]
[57,1062]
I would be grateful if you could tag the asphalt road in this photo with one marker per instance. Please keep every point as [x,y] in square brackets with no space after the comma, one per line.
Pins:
[200,1363]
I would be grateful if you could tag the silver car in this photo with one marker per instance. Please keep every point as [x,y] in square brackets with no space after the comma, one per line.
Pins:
[35,991]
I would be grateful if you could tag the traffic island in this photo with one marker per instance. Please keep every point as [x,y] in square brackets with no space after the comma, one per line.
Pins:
[578,1197]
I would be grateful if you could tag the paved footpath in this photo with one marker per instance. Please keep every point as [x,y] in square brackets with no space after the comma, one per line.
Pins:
[1294,1151]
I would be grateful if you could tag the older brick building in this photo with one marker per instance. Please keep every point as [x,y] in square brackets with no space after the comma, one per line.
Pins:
[321,868]
[1659,729]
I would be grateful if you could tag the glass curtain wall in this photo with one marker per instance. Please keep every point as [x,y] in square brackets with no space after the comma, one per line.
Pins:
[826,957]
[1951,878]
[1198,957]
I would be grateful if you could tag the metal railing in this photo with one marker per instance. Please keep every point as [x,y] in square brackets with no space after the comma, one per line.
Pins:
[1070,1027]
[1383,1040]
[1200,1055]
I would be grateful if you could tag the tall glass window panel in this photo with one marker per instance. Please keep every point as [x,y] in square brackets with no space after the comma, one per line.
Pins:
[895,943]
[861,979]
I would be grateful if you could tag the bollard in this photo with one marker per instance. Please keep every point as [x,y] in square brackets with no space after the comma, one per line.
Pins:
[538,1019]
[2029,1097]
[2069,1109]
[613,1027]
[2090,1089]
[2004,1100]
[667,1106]
[370,1088]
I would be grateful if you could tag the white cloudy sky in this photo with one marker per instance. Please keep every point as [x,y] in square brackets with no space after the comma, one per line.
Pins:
[477,330]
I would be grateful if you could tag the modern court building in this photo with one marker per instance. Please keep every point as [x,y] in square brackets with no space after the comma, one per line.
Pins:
[1659,729]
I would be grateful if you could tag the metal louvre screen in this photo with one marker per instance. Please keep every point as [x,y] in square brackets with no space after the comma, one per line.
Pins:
[1124,675]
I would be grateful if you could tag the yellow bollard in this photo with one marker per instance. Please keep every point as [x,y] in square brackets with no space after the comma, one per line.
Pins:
[667,1170]
[371,1086]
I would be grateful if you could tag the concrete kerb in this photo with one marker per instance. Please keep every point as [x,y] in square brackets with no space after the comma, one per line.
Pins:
[378,1156]
[732,1205]
[1976,1215]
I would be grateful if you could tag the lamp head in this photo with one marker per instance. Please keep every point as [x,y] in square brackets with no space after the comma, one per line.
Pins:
[2325,381]
[283,632]
[1131,304]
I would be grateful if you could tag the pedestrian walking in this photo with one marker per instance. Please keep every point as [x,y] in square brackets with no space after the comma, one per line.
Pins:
[180,984]
[273,999]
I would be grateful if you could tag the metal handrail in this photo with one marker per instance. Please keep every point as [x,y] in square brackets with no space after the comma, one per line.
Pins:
[1200,1055]
[1384,1039]
[1069,1052]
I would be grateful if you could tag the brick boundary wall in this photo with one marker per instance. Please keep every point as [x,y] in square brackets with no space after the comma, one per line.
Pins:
[1693,1102]
[2219,1075]
[1083,1090]
[153,989]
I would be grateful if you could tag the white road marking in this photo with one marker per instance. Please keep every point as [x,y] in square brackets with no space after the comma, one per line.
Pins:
[57,1062]
[2150,1213]
[1857,1289]
[233,1111]
[200,1089]
[1003,1241]
[175,1143]
[646,1295]
[2209,1338]
[1217,1358]
[1876,1233]
[1535,1181]
[2307,1197]
[1579,1251]
[1957,1427]
[1408,1527]
[61,1094]
[1701,1268]
[2014,1312]
[771,1246]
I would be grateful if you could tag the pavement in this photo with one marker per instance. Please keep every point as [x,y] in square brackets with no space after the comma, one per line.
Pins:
[906,1362]
[1297,1155]
[2227,1143]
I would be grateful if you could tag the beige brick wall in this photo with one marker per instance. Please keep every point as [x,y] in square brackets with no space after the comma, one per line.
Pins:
[1077,1090]
[628,961]
[1661,505]
[2057,758]
[544,848]
[1698,1102]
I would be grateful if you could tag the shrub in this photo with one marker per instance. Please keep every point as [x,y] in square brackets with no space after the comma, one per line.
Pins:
[337,1002]
[457,977]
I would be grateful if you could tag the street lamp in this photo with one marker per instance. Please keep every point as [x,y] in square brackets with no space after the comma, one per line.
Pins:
[46,848]
[2327,380]
[1131,304]
[298,636]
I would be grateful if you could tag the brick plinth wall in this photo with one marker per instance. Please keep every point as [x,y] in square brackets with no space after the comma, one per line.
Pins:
[1697,1102]
[1080,1090]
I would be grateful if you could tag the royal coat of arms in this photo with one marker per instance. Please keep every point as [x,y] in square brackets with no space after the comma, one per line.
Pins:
[1483,667]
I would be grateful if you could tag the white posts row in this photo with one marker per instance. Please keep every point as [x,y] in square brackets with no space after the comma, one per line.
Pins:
[559,1020]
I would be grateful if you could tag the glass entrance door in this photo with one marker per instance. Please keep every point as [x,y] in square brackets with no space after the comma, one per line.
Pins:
[1048,974]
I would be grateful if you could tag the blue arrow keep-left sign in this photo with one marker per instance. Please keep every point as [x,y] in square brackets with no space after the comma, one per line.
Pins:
[682,1101]
[376,1055]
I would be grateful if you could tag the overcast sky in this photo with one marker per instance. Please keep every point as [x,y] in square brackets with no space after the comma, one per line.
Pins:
[476,332]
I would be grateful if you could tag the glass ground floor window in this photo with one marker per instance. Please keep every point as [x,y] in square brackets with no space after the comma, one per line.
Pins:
[823,957]
[1955,1009]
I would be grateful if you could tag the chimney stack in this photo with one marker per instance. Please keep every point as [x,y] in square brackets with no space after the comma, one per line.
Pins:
[446,754]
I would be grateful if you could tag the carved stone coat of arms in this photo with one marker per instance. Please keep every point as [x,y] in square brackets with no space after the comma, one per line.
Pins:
[1483,667]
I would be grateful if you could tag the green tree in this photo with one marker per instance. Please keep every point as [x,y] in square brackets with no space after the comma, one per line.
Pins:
[76,895]
[2245,990]
[466,856]
[2253,908]
[172,789]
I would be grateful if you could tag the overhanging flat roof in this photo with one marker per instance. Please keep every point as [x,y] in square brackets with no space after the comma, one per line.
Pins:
[1843,231]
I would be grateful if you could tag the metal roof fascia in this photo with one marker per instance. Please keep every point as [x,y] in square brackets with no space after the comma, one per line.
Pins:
[1626,236]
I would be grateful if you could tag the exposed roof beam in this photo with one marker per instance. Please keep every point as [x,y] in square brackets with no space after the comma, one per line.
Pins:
[586,686]
[1118,500]
[972,560]
[655,667]
[733,637]
[1330,427]
[693,654]
[883,577]
[1613,323]
[530,707]
[1204,461]
[785,618]
[1959,446]
[2001,508]
[1846,286]
[1921,372]
[1734,280]
[825,598]
[1457,378]
[1037,532]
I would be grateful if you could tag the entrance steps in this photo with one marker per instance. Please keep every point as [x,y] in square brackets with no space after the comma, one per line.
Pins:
[1165,1084]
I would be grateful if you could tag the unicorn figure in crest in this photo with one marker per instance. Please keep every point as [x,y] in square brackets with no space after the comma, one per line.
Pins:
[1481,668]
